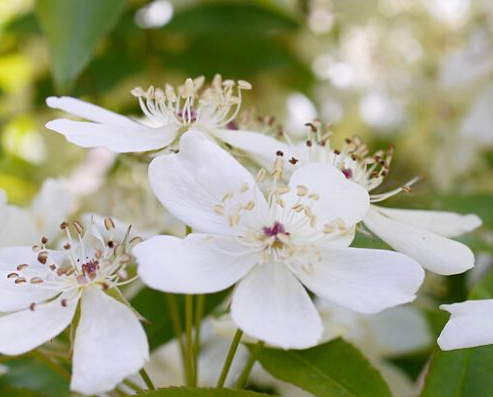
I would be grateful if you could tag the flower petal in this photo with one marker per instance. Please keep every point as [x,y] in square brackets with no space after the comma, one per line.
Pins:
[117,138]
[17,226]
[339,197]
[270,304]
[262,148]
[199,263]
[363,280]
[25,330]
[446,224]
[20,296]
[110,344]
[435,253]
[89,111]
[469,325]
[191,183]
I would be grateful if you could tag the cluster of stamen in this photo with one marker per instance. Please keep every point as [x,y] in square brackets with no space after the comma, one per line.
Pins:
[84,264]
[217,104]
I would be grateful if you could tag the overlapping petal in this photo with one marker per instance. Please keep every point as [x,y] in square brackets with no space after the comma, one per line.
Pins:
[446,224]
[470,325]
[434,252]
[363,280]
[110,130]
[110,344]
[27,329]
[201,176]
[272,305]
[199,263]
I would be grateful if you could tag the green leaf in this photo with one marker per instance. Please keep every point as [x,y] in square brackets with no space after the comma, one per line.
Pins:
[28,373]
[334,369]
[9,392]
[189,392]
[461,373]
[153,306]
[73,28]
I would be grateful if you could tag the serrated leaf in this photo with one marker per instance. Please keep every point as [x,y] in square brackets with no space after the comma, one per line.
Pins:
[73,28]
[205,392]
[334,369]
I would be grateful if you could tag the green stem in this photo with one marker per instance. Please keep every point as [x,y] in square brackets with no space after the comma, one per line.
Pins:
[229,358]
[120,392]
[134,386]
[147,380]
[199,314]
[50,363]
[176,323]
[189,339]
[249,365]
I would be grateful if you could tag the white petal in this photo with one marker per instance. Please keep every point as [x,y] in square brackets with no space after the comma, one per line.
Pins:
[270,304]
[110,344]
[20,296]
[89,111]
[17,227]
[470,325]
[25,330]
[52,206]
[117,138]
[262,148]
[446,224]
[189,184]
[436,253]
[199,263]
[339,197]
[363,280]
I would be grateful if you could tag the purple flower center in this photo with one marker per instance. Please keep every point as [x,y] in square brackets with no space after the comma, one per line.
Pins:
[232,125]
[348,173]
[90,268]
[188,116]
[274,230]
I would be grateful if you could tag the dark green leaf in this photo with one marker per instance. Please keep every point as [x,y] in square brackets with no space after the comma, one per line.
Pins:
[73,28]
[28,373]
[189,392]
[9,392]
[461,373]
[153,306]
[334,369]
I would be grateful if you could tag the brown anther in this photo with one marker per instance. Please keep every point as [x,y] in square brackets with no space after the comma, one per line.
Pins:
[309,143]
[32,306]
[293,160]
[69,271]
[44,240]
[43,257]
[22,266]
[36,280]
[108,223]
[312,126]
[52,267]
[119,250]
[337,152]
[279,153]
[63,225]
[105,286]
[111,244]
[20,280]
[67,246]
[12,275]
[78,227]
[64,302]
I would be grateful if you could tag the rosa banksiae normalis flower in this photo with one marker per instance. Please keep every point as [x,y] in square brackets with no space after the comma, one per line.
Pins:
[42,292]
[169,113]
[422,235]
[23,226]
[271,247]
[470,325]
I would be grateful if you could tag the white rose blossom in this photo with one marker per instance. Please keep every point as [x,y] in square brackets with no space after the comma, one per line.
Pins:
[422,235]
[470,325]
[41,290]
[270,247]
[169,112]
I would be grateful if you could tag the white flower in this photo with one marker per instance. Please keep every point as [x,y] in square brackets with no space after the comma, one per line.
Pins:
[470,325]
[422,235]
[23,226]
[271,247]
[169,112]
[40,291]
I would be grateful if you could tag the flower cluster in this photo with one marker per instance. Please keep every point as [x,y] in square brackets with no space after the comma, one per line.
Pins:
[281,237]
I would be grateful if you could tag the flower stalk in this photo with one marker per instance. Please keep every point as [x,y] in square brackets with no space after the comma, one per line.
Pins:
[229,358]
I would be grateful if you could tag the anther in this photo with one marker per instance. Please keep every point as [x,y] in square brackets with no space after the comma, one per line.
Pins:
[108,223]
[64,302]
[20,280]
[22,266]
[63,225]
[12,275]
[261,175]
[44,240]
[36,280]
[43,257]
[134,241]
[32,306]
[301,190]
[244,188]
[67,246]
[227,196]
[279,153]
[78,227]
[293,160]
